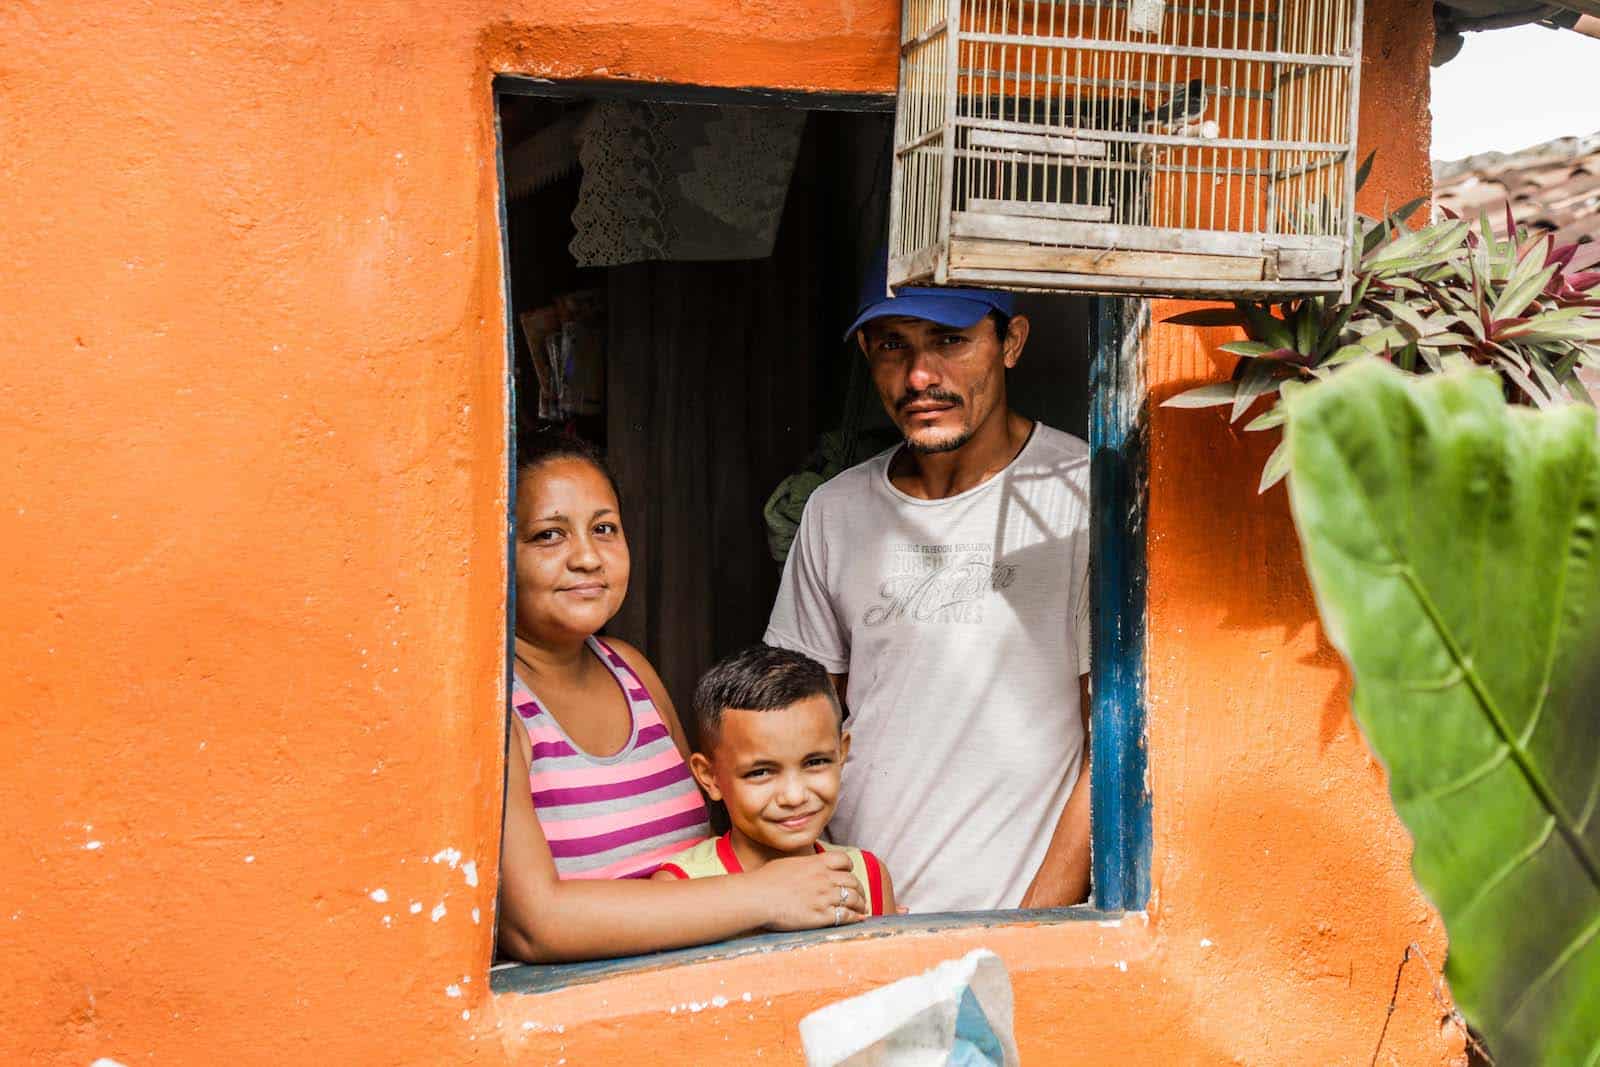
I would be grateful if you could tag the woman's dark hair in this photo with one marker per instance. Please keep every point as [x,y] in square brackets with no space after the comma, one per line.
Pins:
[539,447]
[760,678]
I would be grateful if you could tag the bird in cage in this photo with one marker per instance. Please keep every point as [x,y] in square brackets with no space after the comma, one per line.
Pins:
[1185,105]
[1122,182]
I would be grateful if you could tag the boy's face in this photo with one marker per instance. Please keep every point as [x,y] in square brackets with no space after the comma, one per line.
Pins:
[777,772]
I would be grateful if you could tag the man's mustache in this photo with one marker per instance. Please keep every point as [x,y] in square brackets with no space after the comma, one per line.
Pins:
[941,396]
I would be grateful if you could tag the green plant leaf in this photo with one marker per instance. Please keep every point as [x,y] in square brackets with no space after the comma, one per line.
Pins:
[1256,379]
[1306,320]
[1202,396]
[1276,467]
[1574,388]
[1407,317]
[1231,316]
[1269,418]
[1365,169]
[1248,348]
[1453,544]
[1526,282]
[1265,326]
[1330,336]
[1370,345]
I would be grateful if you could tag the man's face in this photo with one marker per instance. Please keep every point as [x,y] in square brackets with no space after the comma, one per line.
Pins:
[939,383]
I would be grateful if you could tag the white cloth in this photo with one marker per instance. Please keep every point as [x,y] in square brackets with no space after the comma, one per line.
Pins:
[959,1014]
[963,624]
[679,182]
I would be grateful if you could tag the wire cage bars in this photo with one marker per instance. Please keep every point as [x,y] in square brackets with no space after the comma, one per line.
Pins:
[1126,146]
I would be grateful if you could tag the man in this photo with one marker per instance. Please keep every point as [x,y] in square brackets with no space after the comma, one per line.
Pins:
[944,585]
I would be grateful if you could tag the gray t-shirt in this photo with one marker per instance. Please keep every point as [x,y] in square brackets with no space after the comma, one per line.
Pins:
[963,624]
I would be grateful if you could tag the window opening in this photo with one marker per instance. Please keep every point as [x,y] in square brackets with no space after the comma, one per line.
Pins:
[707,381]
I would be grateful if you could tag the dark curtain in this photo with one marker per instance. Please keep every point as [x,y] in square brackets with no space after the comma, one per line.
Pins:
[712,387]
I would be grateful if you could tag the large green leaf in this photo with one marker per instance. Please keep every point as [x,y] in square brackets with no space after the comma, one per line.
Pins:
[1452,544]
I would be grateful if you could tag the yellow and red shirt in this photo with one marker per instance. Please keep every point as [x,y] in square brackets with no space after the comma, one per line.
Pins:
[715,856]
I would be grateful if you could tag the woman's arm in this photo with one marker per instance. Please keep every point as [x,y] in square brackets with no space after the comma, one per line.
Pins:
[544,919]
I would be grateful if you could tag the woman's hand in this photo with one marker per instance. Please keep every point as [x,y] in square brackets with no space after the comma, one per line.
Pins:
[805,892]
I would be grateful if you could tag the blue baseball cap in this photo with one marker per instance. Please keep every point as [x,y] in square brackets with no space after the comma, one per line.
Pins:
[959,308]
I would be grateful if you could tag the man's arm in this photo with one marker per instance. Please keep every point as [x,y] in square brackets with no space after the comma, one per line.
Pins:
[1063,877]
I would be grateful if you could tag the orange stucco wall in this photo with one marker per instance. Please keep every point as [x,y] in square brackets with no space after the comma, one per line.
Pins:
[251,540]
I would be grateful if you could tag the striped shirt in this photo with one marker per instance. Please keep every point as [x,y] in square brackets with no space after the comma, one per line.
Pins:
[614,816]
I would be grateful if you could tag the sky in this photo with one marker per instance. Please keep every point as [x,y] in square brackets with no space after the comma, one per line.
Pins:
[1509,89]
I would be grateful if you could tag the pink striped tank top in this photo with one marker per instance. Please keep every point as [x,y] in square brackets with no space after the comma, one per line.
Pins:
[615,816]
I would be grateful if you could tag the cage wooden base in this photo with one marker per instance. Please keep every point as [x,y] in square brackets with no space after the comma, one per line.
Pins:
[1147,260]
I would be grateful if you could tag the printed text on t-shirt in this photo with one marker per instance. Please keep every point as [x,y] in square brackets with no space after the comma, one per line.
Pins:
[938,583]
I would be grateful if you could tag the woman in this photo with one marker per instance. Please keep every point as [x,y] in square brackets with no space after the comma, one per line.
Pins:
[597,791]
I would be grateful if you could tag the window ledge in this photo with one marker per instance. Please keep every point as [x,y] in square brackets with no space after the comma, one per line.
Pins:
[551,977]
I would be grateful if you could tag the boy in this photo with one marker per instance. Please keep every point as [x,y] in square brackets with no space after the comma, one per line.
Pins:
[770,746]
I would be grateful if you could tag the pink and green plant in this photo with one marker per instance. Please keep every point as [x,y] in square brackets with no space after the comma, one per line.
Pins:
[1423,300]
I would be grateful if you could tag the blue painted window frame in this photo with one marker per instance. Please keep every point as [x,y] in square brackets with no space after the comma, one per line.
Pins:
[1119,795]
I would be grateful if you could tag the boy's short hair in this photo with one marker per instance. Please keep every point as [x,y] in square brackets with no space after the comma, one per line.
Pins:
[759,678]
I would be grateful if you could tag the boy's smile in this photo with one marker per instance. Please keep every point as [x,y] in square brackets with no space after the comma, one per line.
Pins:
[778,773]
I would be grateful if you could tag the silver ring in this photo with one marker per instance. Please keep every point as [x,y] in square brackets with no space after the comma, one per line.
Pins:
[844,895]
[838,916]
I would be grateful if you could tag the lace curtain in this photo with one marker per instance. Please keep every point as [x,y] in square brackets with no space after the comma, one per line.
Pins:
[675,182]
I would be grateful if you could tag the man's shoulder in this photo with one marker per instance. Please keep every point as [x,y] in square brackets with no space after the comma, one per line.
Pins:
[1054,446]
[849,483]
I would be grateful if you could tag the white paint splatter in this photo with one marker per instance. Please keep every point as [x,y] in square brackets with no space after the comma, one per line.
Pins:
[719,1002]
[451,856]
[105,1061]
[469,870]
[416,907]
[437,913]
[91,846]
[249,859]
[474,916]
[465,1014]
[388,920]
[1122,965]
[1205,942]
[379,895]
[745,997]
[452,990]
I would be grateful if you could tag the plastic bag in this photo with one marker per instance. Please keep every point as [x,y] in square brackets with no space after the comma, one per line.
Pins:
[957,1014]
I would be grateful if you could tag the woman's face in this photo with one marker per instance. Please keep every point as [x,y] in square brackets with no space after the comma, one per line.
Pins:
[572,558]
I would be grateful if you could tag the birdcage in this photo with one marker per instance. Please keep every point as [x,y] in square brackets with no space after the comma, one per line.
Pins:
[1201,149]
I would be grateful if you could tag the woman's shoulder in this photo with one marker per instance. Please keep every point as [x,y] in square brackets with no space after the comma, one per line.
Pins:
[624,655]
[624,651]
[522,698]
